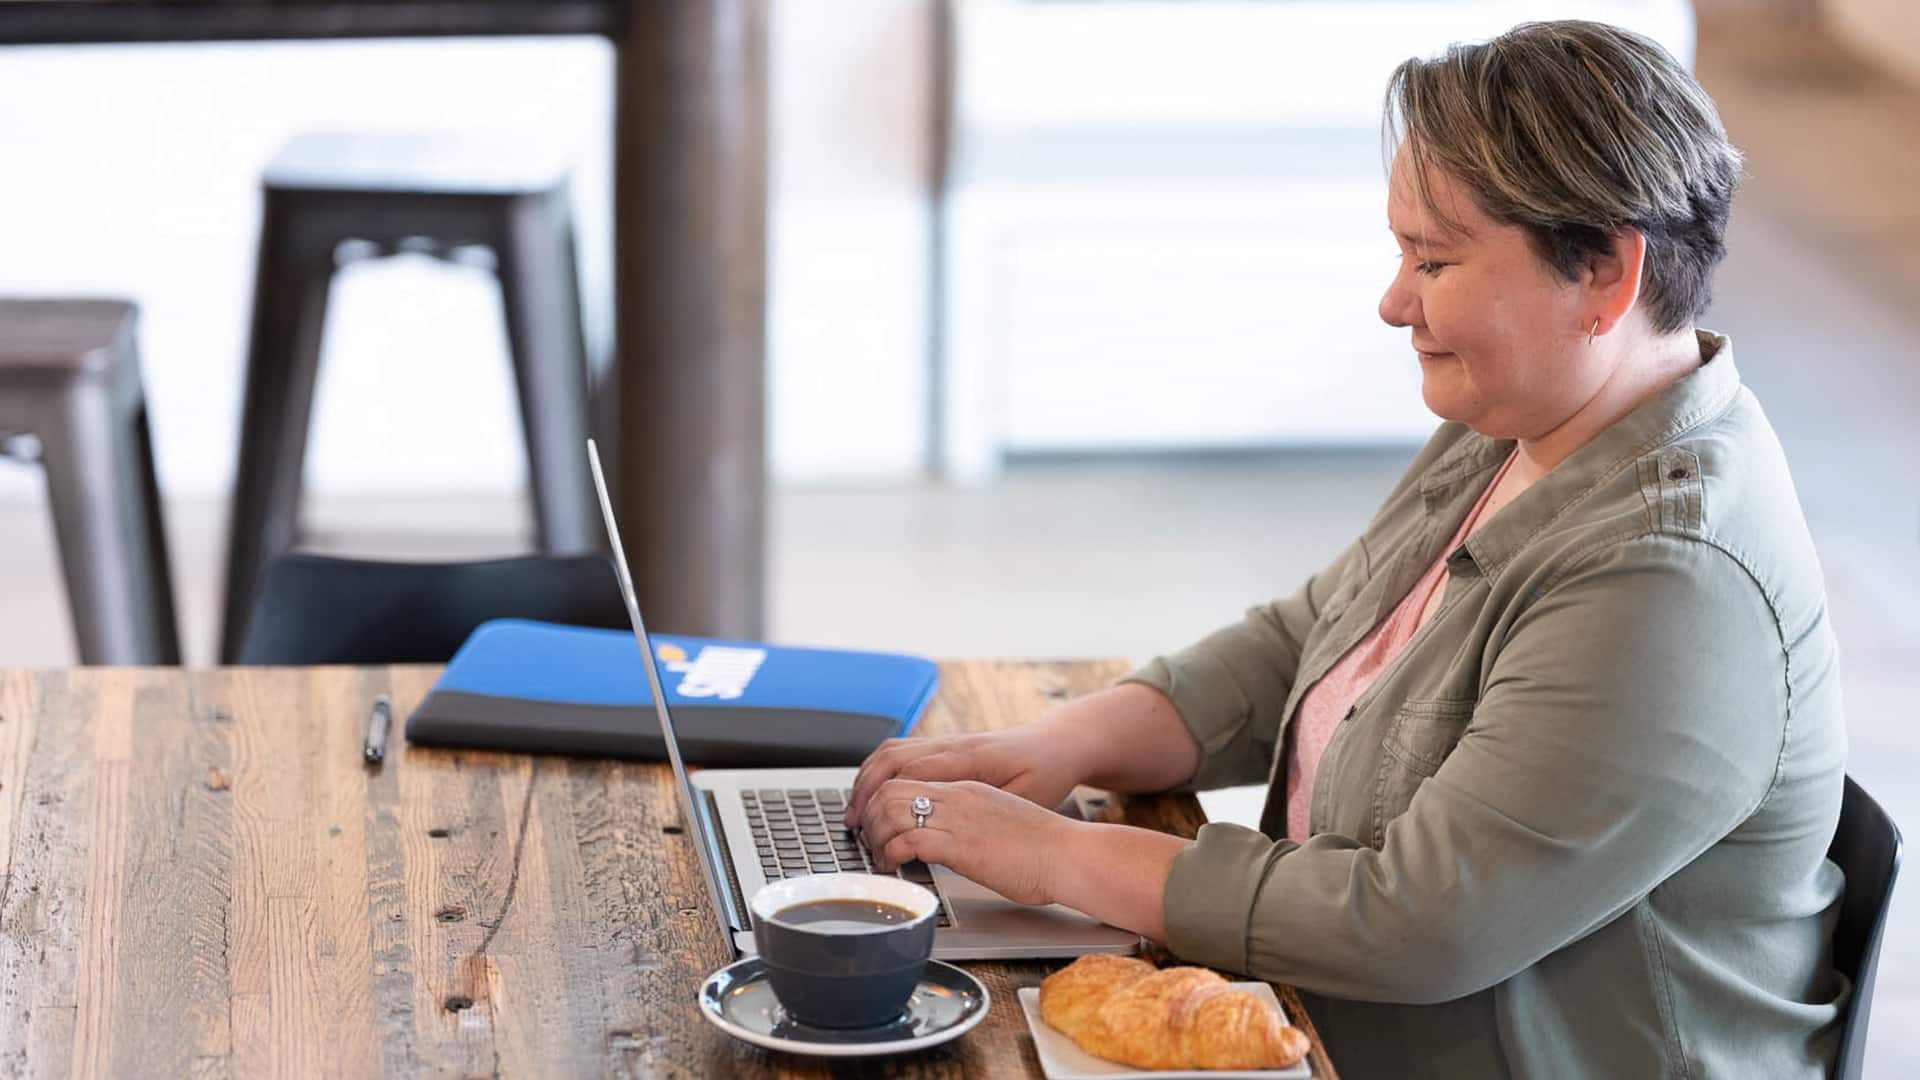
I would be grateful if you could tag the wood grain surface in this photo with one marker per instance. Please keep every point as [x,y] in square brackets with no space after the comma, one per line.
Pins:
[201,878]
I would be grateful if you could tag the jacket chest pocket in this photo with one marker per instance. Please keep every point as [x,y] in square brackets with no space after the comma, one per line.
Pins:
[1423,733]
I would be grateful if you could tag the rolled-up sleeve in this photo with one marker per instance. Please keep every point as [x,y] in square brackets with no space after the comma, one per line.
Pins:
[1633,716]
[1231,687]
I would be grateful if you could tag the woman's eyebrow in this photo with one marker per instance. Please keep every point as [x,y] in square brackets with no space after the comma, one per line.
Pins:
[1420,242]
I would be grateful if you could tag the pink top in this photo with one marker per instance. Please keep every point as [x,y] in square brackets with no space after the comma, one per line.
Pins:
[1325,704]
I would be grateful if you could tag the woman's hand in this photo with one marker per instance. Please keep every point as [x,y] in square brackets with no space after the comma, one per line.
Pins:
[1038,762]
[1027,853]
[991,836]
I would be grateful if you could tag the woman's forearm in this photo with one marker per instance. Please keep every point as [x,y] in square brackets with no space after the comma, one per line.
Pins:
[1118,874]
[1130,738]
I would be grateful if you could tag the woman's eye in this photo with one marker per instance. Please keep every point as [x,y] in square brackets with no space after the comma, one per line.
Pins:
[1429,268]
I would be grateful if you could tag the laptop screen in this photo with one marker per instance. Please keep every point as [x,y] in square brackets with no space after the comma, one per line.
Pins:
[689,801]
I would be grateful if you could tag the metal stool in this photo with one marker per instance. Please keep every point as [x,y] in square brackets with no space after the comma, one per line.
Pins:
[335,197]
[70,378]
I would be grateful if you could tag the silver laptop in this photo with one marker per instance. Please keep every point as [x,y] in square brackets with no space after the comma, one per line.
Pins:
[752,826]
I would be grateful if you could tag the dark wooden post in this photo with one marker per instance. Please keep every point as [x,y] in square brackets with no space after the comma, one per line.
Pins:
[690,213]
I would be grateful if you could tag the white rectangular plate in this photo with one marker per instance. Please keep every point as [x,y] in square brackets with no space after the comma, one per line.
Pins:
[1060,1059]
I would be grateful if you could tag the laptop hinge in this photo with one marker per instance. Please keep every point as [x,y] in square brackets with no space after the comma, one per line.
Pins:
[736,900]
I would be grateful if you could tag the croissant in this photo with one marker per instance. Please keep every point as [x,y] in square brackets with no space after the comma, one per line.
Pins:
[1121,1009]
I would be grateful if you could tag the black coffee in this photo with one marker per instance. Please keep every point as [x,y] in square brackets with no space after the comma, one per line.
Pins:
[842,916]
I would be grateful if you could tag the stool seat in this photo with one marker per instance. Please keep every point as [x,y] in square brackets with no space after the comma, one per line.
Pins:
[62,338]
[401,163]
[70,378]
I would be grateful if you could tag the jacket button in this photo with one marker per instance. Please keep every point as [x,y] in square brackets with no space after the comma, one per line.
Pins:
[1677,474]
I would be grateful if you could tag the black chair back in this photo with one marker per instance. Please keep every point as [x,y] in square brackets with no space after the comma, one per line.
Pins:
[318,610]
[1866,847]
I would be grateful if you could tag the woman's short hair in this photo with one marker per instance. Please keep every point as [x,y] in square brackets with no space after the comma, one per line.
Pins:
[1571,130]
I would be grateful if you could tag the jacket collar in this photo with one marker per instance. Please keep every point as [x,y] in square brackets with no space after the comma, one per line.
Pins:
[1455,482]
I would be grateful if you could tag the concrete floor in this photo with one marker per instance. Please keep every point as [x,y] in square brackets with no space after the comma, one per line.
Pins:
[1132,557]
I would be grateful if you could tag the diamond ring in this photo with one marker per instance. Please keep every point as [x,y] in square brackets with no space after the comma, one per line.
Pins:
[922,806]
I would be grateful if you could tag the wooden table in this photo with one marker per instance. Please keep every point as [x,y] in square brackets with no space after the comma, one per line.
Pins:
[687,449]
[201,878]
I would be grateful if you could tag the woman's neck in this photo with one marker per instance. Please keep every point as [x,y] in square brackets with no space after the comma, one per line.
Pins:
[1647,367]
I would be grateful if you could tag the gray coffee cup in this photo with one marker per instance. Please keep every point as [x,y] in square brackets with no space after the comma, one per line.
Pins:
[837,977]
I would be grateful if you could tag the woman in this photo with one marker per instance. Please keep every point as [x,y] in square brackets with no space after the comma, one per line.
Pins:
[1554,747]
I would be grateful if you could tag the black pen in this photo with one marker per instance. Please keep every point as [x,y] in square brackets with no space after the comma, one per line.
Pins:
[377,724]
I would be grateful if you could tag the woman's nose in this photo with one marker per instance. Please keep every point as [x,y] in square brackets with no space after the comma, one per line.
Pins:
[1400,305]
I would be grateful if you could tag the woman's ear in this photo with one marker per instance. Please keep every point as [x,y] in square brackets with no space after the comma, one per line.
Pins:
[1613,276]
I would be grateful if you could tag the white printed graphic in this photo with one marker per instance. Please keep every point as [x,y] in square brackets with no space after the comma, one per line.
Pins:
[719,671]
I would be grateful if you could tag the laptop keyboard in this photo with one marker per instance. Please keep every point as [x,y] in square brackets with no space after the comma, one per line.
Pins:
[798,832]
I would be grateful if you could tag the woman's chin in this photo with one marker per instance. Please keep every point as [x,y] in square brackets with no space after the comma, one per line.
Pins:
[1443,401]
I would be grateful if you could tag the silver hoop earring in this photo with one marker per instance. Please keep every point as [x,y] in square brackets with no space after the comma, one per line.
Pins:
[1595,330]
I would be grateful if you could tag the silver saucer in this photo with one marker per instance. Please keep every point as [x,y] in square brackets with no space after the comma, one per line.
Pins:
[947,1004]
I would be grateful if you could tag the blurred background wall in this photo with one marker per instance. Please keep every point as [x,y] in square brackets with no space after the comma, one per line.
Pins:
[135,171]
[1886,30]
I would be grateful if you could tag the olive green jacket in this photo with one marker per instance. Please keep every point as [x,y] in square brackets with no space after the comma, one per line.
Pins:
[1578,828]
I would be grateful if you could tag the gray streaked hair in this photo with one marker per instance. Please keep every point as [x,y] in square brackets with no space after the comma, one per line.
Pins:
[1572,130]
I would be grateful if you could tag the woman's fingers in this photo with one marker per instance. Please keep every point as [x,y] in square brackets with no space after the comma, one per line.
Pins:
[914,759]
[880,767]
[935,847]
[890,812]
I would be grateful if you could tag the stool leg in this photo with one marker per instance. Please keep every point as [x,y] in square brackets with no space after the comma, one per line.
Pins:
[539,286]
[165,628]
[283,360]
[98,455]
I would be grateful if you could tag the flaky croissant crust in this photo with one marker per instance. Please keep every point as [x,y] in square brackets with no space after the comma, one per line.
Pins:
[1122,1009]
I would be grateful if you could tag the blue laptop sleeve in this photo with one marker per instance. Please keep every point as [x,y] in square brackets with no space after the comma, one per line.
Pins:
[534,687]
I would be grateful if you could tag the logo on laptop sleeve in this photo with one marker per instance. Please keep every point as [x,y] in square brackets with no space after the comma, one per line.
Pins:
[719,671]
